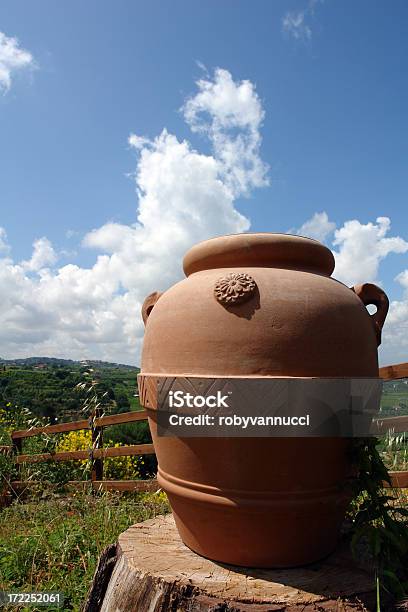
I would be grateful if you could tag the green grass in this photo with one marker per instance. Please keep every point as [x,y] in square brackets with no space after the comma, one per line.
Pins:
[52,543]
[394,400]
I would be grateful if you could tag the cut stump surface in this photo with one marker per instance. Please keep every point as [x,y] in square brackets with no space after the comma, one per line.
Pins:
[156,572]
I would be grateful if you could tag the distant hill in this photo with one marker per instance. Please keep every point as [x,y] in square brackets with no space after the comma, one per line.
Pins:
[54,361]
[47,386]
[395,398]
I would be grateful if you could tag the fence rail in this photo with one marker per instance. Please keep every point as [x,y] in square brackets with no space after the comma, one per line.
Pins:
[97,453]
[394,372]
[113,419]
[394,424]
[97,485]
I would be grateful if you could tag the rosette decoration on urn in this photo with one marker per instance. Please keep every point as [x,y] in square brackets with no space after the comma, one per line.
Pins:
[234,288]
[257,307]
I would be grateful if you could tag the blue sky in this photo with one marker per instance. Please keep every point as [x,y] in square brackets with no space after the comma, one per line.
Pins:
[333,87]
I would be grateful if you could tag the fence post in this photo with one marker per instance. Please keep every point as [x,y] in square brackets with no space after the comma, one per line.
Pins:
[97,442]
[17,450]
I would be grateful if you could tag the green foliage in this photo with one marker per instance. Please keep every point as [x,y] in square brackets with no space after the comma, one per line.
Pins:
[13,418]
[134,433]
[49,389]
[379,519]
[393,451]
[53,543]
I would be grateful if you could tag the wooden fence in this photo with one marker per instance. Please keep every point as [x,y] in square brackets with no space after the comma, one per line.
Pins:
[97,453]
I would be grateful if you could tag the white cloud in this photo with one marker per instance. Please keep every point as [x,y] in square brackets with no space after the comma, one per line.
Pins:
[360,251]
[183,196]
[395,338]
[361,248]
[318,227]
[230,113]
[4,245]
[402,278]
[138,142]
[12,59]
[294,24]
[42,257]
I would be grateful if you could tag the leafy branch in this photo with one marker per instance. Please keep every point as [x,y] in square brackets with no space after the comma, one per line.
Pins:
[378,519]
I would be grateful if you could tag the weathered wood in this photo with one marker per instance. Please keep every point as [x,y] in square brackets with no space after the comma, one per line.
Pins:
[103,421]
[50,429]
[155,572]
[6,498]
[399,479]
[106,485]
[97,442]
[117,451]
[123,417]
[397,424]
[17,450]
[117,485]
[393,372]
[62,456]
[101,579]
[127,485]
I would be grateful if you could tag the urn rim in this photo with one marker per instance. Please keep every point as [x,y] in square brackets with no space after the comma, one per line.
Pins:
[260,249]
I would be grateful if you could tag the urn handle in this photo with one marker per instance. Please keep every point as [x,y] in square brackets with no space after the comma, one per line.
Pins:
[148,305]
[371,294]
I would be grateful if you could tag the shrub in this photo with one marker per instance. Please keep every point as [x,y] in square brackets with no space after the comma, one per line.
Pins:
[115,468]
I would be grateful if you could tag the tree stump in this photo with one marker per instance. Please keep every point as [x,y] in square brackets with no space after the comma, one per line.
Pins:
[156,572]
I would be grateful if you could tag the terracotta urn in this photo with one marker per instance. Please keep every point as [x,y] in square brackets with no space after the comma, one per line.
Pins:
[258,305]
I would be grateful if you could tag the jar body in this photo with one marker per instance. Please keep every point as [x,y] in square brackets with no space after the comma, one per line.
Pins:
[261,502]
[300,324]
